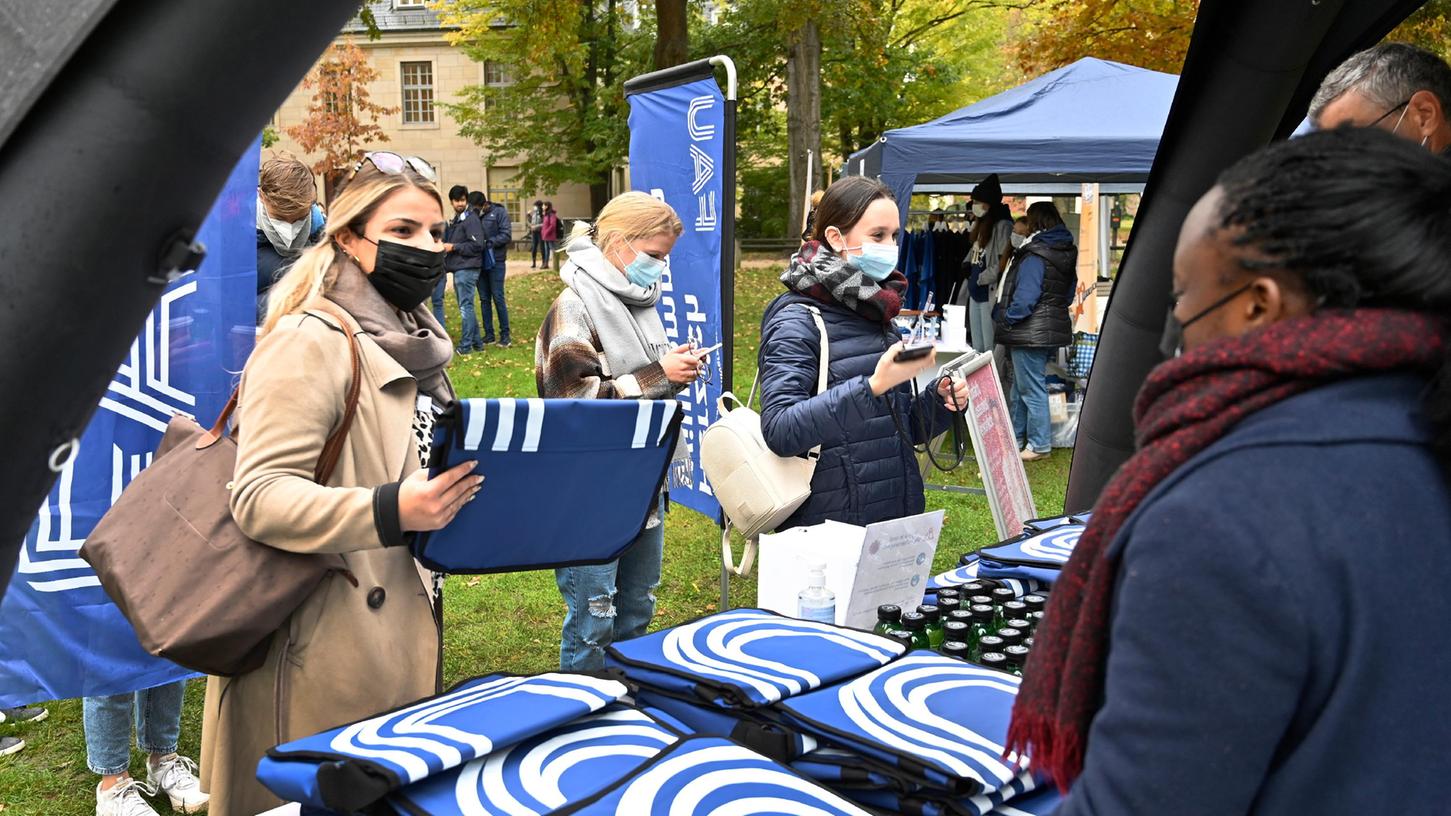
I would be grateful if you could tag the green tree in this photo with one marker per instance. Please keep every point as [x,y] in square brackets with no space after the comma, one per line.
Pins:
[341,118]
[1151,34]
[564,115]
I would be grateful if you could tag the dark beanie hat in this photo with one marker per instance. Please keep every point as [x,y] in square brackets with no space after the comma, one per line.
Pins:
[989,190]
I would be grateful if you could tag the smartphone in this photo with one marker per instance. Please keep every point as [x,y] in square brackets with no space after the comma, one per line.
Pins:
[916,351]
[701,353]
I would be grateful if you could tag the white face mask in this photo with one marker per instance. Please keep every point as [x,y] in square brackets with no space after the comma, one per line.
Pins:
[979,210]
[1018,240]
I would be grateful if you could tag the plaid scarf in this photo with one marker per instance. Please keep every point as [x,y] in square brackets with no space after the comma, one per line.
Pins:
[1185,406]
[822,275]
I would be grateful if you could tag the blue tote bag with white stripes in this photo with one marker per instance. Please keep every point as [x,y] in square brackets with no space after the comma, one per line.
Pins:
[1038,556]
[350,767]
[748,658]
[940,721]
[566,482]
[705,776]
[971,572]
[543,773]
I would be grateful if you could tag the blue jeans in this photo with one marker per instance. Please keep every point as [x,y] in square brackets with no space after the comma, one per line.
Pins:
[609,602]
[107,723]
[465,283]
[980,324]
[1028,398]
[491,289]
[438,300]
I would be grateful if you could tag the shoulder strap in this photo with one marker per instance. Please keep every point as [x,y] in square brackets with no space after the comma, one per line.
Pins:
[822,361]
[333,448]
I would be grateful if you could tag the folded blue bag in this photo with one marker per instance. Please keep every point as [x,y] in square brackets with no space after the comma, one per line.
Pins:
[1043,525]
[843,770]
[1042,801]
[923,802]
[747,658]
[700,776]
[1020,585]
[607,458]
[1032,556]
[350,767]
[939,721]
[543,773]
[756,728]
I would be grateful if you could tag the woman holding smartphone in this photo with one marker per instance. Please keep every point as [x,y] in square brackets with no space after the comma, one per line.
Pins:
[603,339]
[869,417]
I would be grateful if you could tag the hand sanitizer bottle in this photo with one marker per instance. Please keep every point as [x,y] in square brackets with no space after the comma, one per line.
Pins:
[816,602]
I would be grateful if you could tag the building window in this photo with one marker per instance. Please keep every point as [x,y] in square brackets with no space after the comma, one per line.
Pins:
[510,198]
[417,93]
[408,4]
[497,74]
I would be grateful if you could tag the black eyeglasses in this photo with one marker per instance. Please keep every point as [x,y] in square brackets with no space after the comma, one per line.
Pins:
[392,163]
[1383,116]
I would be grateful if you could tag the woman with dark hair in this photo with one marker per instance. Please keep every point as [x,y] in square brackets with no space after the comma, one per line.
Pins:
[1032,320]
[1255,619]
[990,241]
[868,418]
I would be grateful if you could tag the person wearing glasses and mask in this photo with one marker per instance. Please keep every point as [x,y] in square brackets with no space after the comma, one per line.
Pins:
[365,640]
[1393,86]
[869,417]
[603,339]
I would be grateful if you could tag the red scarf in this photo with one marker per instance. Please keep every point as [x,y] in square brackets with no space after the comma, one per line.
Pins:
[1186,405]
[824,276]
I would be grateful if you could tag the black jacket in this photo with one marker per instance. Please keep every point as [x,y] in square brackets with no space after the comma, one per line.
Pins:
[867,471]
[467,236]
[498,232]
[1032,310]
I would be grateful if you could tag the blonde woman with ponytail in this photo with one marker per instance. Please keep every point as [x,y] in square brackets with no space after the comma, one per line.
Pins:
[603,339]
[366,639]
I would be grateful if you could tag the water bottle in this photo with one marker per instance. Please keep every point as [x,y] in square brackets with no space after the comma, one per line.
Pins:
[816,602]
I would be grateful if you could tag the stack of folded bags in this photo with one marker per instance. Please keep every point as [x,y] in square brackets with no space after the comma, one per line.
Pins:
[1026,563]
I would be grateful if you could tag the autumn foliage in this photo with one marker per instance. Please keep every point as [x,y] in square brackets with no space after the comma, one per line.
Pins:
[342,119]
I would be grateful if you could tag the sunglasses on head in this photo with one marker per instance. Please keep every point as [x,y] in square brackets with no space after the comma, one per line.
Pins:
[392,163]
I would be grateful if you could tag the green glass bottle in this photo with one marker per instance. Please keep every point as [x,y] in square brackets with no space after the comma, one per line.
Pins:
[902,636]
[957,630]
[1035,602]
[994,660]
[1011,636]
[957,649]
[916,625]
[1015,609]
[988,644]
[934,624]
[1021,624]
[971,588]
[889,616]
[1017,657]
[947,592]
[982,624]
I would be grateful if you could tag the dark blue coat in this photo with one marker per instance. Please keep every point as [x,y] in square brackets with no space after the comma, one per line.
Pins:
[867,472]
[1280,640]
[498,232]
[466,234]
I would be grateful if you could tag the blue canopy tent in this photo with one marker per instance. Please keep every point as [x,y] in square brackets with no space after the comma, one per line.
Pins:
[1092,121]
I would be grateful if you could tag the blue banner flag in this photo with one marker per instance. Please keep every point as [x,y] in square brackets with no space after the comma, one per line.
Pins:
[677,149]
[60,636]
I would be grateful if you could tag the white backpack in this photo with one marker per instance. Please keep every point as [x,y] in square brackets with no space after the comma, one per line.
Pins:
[757,489]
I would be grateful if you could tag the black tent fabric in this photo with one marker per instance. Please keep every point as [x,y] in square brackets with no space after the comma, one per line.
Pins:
[111,165]
[1251,70]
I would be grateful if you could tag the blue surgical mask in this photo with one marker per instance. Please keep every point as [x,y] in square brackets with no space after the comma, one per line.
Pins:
[644,271]
[877,261]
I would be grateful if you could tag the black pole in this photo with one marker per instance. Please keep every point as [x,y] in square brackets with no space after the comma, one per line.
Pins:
[728,250]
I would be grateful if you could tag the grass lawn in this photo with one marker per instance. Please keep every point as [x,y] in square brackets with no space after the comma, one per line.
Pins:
[511,622]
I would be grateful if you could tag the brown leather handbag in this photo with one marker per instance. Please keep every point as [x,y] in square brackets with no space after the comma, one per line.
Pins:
[197,590]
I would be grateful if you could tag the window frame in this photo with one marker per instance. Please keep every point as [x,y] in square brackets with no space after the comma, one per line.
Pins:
[404,88]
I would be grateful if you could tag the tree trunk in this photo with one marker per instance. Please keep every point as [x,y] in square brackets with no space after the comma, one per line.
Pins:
[803,118]
[672,42]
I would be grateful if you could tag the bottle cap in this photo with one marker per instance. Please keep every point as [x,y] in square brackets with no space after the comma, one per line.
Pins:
[1011,636]
[948,604]
[1021,624]
[1027,643]
[995,660]
[947,592]
[956,648]
[1002,595]
[1015,609]
[955,630]
[960,614]
[991,643]
[890,613]
[914,621]
[974,588]
[1035,602]
[982,612]
[901,636]
[980,599]
[930,612]
[1016,655]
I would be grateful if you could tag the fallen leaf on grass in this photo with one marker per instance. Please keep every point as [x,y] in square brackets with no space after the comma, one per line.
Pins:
[473,582]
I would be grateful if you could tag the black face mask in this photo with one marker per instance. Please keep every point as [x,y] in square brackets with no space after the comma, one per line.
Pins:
[1171,345]
[404,275]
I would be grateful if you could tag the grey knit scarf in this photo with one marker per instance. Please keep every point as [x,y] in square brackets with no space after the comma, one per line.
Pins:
[624,314]
[414,339]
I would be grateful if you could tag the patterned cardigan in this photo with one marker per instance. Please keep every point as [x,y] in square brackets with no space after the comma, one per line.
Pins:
[570,362]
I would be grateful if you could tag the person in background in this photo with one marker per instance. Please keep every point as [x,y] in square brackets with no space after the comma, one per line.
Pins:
[534,220]
[990,241]
[477,202]
[1396,87]
[289,220]
[464,244]
[19,715]
[549,231]
[1220,642]
[1032,320]
[498,232]
[365,640]
[870,416]
[603,339]
[157,714]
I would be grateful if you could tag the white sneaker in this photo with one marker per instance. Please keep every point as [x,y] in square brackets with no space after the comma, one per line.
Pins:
[124,799]
[175,776]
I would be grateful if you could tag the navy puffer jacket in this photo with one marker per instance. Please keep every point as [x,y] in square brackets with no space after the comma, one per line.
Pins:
[867,472]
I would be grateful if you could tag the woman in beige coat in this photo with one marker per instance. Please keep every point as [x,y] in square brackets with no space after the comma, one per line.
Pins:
[366,640]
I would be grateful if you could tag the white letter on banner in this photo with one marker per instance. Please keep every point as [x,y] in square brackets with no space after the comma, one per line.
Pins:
[667,316]
[699,132]
[706,220]
[704,167]
[658,193]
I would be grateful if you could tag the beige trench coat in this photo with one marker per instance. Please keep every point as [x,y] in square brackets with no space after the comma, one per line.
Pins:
[340,658]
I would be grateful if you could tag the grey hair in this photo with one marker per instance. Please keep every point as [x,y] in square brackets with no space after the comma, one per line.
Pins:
[1387,74]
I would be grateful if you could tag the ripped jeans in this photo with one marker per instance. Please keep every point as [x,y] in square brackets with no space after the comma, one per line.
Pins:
[609,602]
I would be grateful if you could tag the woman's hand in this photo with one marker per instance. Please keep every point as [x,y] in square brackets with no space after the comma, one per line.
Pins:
[430,504]
[681,365]
[890,373]
[953,391]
